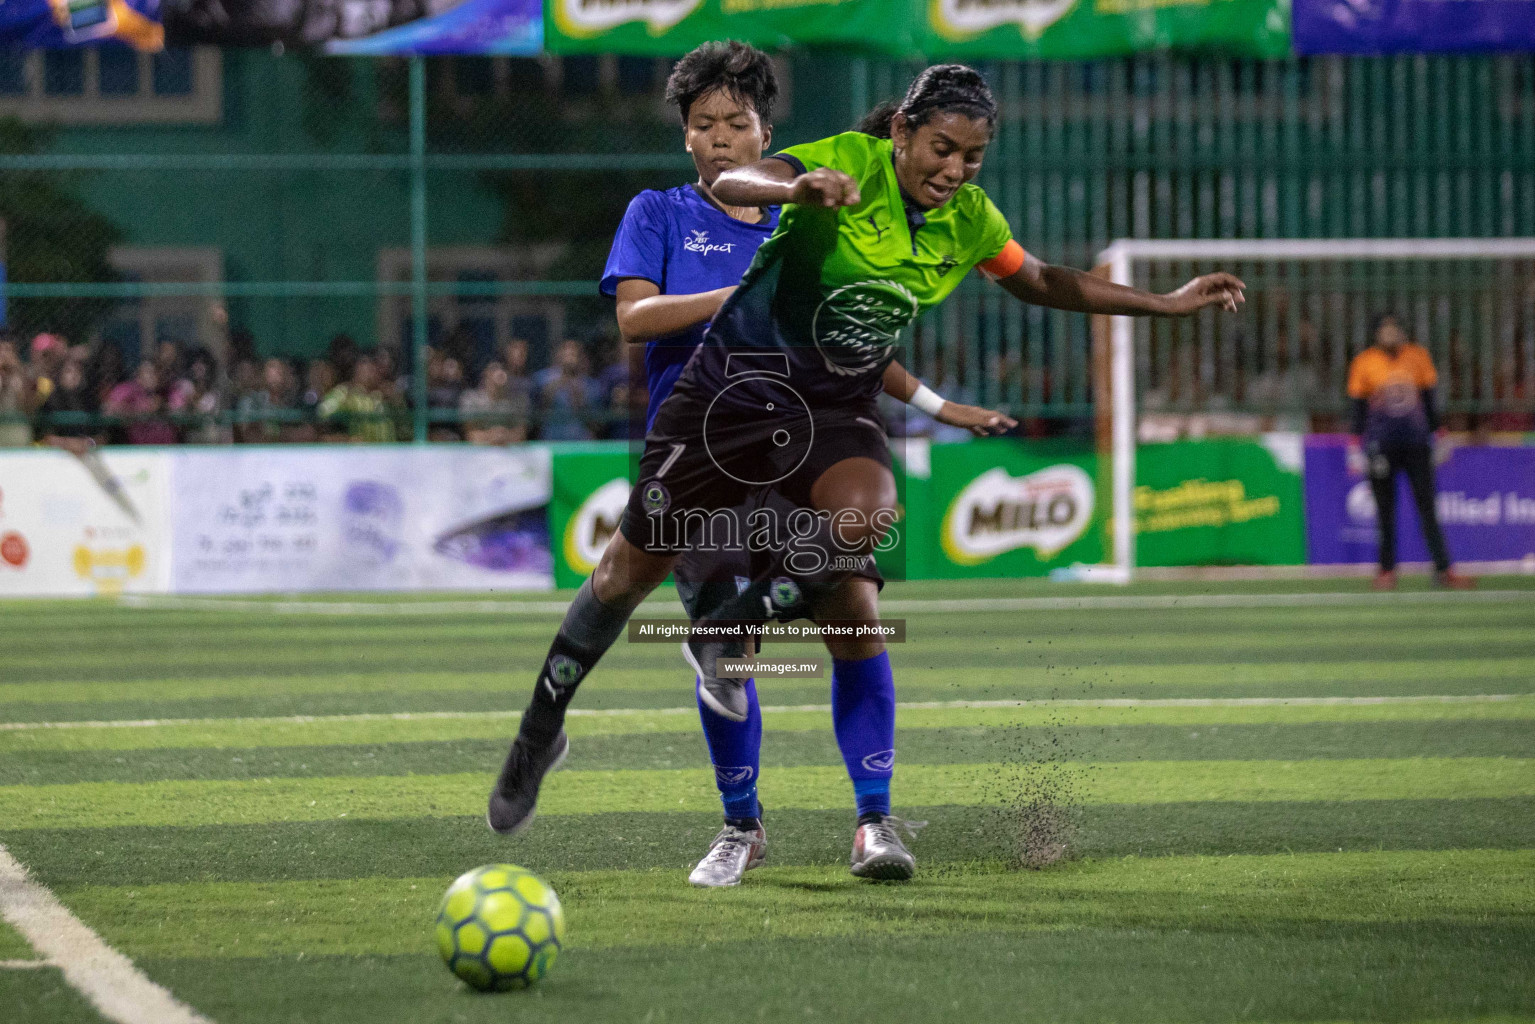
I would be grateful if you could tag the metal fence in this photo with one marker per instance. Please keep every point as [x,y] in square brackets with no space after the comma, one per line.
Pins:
[309,207]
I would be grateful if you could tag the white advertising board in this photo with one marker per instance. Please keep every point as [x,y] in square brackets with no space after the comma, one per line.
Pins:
[360,518]
[79,527]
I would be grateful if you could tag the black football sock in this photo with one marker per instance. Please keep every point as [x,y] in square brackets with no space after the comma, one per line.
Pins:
[589,629]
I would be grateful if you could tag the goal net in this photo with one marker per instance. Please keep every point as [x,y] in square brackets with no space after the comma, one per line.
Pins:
[1280,365]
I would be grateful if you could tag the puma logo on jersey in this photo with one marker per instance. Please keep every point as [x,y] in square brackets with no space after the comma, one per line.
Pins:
[879,232]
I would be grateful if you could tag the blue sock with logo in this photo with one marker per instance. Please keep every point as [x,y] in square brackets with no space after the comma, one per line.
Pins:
[863,717]
[735,748]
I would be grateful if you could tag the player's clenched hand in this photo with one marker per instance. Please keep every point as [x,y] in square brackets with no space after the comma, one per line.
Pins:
[980,422]
[1221,289]
[825,187]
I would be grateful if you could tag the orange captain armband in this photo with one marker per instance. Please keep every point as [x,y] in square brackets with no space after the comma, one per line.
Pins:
[1005,263]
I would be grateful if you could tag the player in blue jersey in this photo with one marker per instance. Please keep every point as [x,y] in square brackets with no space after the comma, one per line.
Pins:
[676,257]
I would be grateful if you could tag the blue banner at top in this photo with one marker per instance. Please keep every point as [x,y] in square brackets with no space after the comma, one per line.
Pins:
[507,27]
[1412,26]
[510,28]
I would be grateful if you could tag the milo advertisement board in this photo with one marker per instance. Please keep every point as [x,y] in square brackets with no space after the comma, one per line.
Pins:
[590,487]
[1012,508]
[1220,501]
[673,27]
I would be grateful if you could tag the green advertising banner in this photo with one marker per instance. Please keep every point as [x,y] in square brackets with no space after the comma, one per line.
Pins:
[971,29]
[1010,508]
[939,29]
[673,27]
[1220,501]
[586,501]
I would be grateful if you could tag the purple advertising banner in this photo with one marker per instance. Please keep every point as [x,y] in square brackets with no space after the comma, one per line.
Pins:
[1486,506]
[1412,26]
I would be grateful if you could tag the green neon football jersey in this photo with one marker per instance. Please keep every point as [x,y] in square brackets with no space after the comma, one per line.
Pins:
[828,295]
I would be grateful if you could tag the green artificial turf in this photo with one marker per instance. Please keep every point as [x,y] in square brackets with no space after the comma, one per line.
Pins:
[261,806]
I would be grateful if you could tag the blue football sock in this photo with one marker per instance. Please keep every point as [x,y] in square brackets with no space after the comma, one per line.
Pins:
[735,748]
[863,717]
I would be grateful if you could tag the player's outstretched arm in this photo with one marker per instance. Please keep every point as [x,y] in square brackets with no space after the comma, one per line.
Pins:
[644,313]
[900,384]
[1066,288]
[773,182]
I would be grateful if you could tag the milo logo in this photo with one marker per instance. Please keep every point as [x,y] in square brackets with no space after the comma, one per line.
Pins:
[589,17]
[855,325]
[961,19]
[591,527]
[997,512]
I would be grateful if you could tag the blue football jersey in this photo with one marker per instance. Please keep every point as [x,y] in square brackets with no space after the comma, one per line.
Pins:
[684,244]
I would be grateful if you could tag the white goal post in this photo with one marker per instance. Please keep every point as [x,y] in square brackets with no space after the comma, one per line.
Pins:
[1126,257]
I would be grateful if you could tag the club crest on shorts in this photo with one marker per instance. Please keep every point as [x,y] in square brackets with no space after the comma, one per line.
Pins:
[728,776]
[655,497]
[883,761]
[786,593]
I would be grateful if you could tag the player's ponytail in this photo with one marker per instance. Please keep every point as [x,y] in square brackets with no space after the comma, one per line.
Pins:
[941,88]
[877,121]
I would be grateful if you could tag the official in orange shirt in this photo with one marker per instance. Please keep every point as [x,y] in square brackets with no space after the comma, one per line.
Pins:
[1392,384]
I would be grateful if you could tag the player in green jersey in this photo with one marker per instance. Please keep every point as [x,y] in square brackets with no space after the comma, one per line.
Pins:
[781,393]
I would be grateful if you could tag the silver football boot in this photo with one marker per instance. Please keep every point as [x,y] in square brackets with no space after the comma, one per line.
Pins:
[734,852]
[879,853]
[726,697]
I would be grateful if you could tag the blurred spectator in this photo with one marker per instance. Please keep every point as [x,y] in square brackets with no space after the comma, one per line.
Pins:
[611,394]
[319,378]
[394,384]
[342,354]
[444,390]
[505,409]
[459,343]
[16,398]
[48,354]
[244,378]
[258,406]
[104,371]
[514,356]
[168,362]
[564,395]
[141,400]
[359,405]
[201,394]
[71,396]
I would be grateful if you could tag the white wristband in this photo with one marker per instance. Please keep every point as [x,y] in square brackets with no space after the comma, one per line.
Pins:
[926,399]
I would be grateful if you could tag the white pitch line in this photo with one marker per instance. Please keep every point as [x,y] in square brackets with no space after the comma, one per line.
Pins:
[23,965]
[118,990]
[779,709]
[894,606]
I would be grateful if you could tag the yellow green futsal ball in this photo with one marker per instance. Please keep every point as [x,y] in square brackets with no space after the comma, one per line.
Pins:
[499,927]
